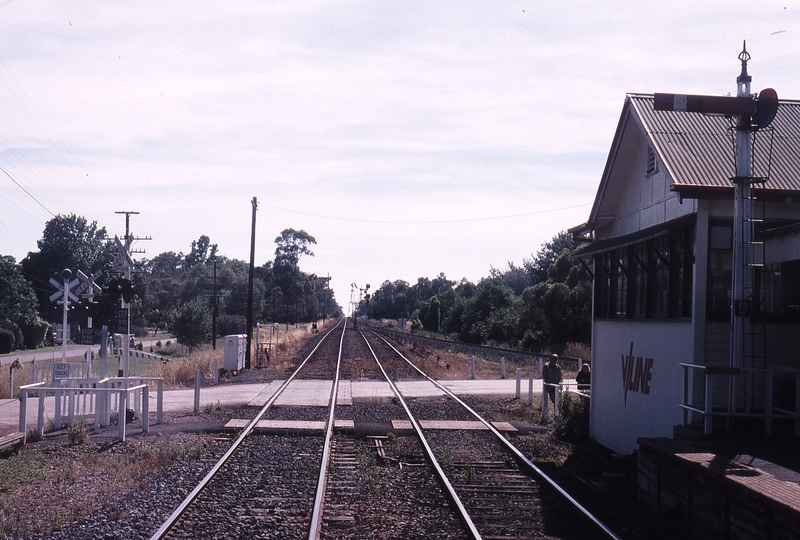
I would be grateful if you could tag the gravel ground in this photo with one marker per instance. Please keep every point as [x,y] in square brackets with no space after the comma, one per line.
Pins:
[102,489]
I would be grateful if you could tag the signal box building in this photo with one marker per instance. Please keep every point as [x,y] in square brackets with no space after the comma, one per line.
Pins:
[659,242]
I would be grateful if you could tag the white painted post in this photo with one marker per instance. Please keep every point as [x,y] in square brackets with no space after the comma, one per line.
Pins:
[159,400]
[70,405]
[197,376]
[145,410]
[502,367]
[40,416]
[123,413]
[530,388]
[556,407]
[216,371]
[796,406]
[58,397]
[23,410]
[472,369]
[768,404]
[545,403]
[708,405]
[519,381]
[103,351]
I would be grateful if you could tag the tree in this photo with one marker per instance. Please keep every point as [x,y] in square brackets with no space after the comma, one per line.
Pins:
[200,252]
[18,306]
[292,245]
[191,324]
[539,267]
[67,242]
[17,298]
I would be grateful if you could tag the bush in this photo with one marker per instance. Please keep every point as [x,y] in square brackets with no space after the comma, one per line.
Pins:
[78,433]
[15,331]
[7,340]
[231,324]
[35,331]
[573,422]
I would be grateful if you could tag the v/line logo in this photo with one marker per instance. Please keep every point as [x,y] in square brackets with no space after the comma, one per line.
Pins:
[637,372]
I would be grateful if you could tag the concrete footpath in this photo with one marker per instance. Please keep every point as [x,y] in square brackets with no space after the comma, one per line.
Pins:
[300,393]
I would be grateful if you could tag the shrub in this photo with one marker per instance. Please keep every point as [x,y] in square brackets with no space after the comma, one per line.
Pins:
[7,340]
[34,331]
[573,422]
[14,329]
[78,433]
[231,324]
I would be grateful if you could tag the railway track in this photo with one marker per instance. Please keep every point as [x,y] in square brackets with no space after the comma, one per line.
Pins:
[431,483]
[244,494]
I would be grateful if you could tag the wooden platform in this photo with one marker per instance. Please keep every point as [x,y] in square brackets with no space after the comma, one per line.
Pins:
[12,441]
[453,425]
[274,426]
[282,426]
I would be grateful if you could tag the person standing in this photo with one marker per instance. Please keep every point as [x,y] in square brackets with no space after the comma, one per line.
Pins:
[551,374]
[584,378]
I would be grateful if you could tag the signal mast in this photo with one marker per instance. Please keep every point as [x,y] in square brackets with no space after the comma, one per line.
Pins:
[752,113]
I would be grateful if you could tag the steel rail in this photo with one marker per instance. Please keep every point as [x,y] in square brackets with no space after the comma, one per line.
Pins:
[511,448]
[181,509]
[456,500]
[319,500]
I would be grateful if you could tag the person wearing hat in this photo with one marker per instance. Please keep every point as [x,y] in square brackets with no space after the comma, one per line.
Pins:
[551,374]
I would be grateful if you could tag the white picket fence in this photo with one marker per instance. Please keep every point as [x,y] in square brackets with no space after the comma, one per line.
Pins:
[93,399]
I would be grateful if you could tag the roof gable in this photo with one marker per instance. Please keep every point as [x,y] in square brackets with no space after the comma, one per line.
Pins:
[697,152]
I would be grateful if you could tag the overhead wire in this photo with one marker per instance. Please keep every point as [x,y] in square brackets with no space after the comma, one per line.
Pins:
[97,188]
[426,222]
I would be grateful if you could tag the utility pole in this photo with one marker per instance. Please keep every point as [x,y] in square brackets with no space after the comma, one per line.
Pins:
[247,363]
[124,263]
[214,310]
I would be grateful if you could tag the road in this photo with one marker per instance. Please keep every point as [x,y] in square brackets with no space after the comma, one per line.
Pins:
[48,354]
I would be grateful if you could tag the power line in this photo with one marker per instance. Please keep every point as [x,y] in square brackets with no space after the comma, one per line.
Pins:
[491,218]
[26,191]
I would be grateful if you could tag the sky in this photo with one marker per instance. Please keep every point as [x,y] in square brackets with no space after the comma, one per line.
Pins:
[408,138]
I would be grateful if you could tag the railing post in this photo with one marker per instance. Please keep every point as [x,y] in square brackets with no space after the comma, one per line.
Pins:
[40,416]
[685,395]
[707,406]
[519,381]
[502,367]
[197,375]
[58,397]
[123,413]
[768,403]
[545,402]
[145,409]
[23,410]
[556,408]
[472,368]
[530,388]
[159,401]
[71,404]
[797,405]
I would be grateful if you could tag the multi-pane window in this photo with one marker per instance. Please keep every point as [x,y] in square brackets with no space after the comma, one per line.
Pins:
[649,279]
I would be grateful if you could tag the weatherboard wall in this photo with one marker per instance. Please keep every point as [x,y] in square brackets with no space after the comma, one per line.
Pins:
[646,409]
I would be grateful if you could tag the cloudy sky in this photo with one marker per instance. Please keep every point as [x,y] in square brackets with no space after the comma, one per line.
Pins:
[409,138]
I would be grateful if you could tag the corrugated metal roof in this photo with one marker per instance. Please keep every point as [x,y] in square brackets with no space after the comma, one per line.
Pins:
[698,150]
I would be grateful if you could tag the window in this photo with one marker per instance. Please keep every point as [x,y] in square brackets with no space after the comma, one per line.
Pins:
[652,162]
[650,279]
